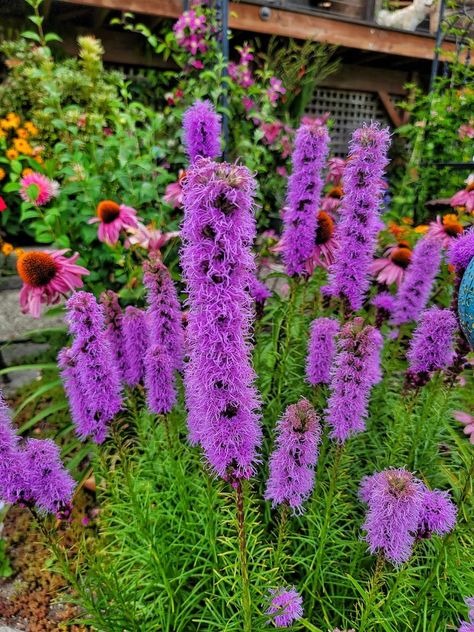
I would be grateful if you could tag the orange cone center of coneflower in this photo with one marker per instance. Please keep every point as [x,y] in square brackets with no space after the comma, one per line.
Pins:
[108,211]
[36,268]
[470,187]
[401,256]
[325,228]
[335,192]
[451,225]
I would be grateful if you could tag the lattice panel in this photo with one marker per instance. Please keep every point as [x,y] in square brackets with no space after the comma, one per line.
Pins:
[349,109]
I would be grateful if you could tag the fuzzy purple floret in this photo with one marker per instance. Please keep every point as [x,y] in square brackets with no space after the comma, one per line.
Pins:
[461,250]
[258,290]
[468,626]
[286,606]
[80,413]
[432,345]
[304,194]
[159,380]
[414,291]
[357,230]
[384,302]
[293,461]
[202,129]
[217,233]
[438,513]
[97,378]
[135,334]
[113,329]
[11,479]
[356,370]
[321,350]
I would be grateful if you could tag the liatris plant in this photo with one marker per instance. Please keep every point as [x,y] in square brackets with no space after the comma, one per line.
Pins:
[385,305]
[468,626]
[217,231]
[159,380]
[114,330]
[438,514]
[304,193]
[432,345]
[415,288]
[321,350]
[286,606]
[292,463]
[360,223]
[135,335]
[356,371]
[202,129]
[461,251]
[10,479]
[97,382]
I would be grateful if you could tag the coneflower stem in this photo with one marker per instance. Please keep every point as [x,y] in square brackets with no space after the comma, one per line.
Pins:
[375,583]
[281,533]
[246,604]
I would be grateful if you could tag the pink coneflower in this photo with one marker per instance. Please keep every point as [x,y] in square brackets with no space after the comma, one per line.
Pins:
[325,244]
[391,268]
[47,275]
[38,189]
[148,237]
[468,421]
[112,217]
[174,191]
[335,170]
[465,197]
[446,229]
[332,200]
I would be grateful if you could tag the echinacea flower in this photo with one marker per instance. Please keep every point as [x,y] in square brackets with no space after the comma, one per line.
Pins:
[112,218]
[174,192]
[148,237]
[465,197]
[325,244]
[391,268]
[445,229]
[468,421]
[286,606]
[38,189]
[335,170]
[47,275]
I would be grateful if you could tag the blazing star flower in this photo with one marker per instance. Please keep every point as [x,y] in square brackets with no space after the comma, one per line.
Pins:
[217,233]
[114,330]
[292,463]
[461,251]
[385,304]
[438,513]
[11,480]
[258,290]
[321,350]
[468,626]
[465,197]
[391,268]
[148,237]
[38,189]
[135,335]
[357,231]
[304,191]
[468,421]
[159,380]
[286,606]
[414,291]
[202,129]
[112,218]
[47,275]
[446,229]
[80,413]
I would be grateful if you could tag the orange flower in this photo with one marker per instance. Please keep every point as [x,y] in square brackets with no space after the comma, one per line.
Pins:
[31,128]
[27,171]
[19,251]
[407,220]
[21,132]
[22,146]
[39,160]
[7,249]
[11,154]
[451,225]
[5,124]
[421,229]
[13,119]
[397,231]
[2,173]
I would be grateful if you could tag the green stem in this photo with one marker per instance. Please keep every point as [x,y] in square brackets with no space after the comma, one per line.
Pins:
[281,534]
[246,603]
[375,584]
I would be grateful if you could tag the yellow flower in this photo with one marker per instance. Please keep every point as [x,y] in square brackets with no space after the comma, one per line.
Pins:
[5,124]
[39,160]
[27,171]
[14,119]
[22,146]
[11,154]
[422,229]
[7,249]
[2,173]
[19,252]
[21,132]
[2,133]
[31,128]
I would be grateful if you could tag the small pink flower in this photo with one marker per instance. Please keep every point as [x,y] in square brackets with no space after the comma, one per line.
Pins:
[271,131]
[282,172]
[391,268]
[3,206]
[465,197]
[275,90]
[112,218]
[468,421]
[466,130]
[148,237]
[47,275]
[248,104]
[315,120]
[174,192]
[445,229]
[44,189]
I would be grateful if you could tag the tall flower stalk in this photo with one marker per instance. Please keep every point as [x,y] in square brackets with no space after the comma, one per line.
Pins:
[202,129]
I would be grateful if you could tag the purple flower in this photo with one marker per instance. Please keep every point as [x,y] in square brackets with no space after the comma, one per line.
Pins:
[465,625]
[96,372]
[356,370]
[438,513]
[80,413]
[11,480]
[432,345]
[385,304]
[286,606]
[113,330]
[135,335]
[159,380]
[304,192]
[360,221]
[292,463]
[415,288]
[218,231]
[461,250]
[258,290]
[321,350]
[202,128]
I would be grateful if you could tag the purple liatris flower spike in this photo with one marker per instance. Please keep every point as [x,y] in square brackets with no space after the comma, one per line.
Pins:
[304,192]
[461,250]
[356,370]
[432,345]
[321,350]
[258,290]
[349,275]
[96,372]
[217,232]
[113,330]
[286,606]
[202,129]
[438,513]
[414,291]
[385,305]
[80,413]
[135,334]
[468,626]
[394,499]
[50,483]
[159,380]
[12,484]
[292,463]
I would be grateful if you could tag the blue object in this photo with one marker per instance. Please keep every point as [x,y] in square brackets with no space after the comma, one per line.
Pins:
[466,303]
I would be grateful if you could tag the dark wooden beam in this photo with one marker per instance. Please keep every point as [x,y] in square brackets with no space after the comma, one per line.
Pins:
[367,79]
[390,108]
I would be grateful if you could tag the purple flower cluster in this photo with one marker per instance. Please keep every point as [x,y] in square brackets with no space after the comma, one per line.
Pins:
[241,73]
[217,233]
[360,221]
[292,463]
[135,334]
[88,370]
[468,626]
[202,129]
[401,509]
[304,192]
[461,250]
[356,370]
[286,606]
[159,380]
[414,291]
[190,31]
[385,305]
[113,330]
[321,350]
